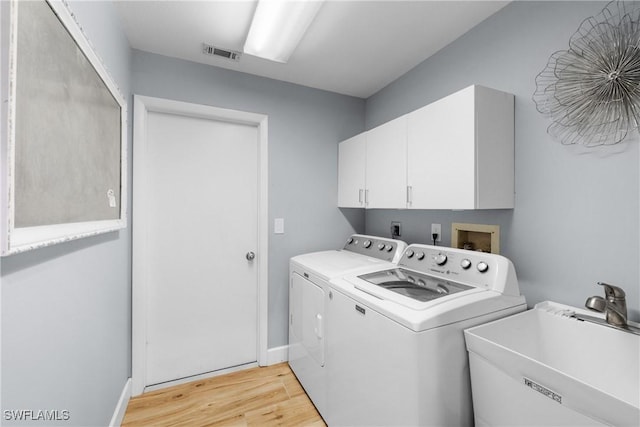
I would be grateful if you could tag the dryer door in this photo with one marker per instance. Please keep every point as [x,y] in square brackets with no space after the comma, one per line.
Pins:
[307,318]
[306,336]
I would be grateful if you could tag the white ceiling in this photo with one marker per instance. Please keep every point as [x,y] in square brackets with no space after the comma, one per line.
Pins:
[353,47]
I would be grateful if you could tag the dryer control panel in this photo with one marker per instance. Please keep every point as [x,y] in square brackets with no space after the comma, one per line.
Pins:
[375,247]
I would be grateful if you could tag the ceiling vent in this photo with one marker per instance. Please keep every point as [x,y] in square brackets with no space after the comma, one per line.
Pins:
[232,55]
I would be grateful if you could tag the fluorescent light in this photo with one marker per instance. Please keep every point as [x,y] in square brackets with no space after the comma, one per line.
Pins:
[278,27]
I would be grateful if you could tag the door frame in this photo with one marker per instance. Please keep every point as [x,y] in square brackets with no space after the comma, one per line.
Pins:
[142,106]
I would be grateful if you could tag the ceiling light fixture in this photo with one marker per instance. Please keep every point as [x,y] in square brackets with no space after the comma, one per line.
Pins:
[278,27]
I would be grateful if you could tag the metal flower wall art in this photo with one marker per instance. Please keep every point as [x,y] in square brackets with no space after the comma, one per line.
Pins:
[591,91]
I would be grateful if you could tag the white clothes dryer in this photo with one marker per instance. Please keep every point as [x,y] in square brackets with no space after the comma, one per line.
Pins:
[309,276]
[395,351]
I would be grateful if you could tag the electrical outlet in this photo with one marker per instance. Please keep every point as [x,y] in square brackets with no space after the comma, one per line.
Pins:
[437,229]
[396,229]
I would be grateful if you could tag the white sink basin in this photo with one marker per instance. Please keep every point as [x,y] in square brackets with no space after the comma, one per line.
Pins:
[543,367]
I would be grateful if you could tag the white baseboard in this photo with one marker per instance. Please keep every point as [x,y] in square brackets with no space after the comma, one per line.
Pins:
[199,377]
[277,355]
[121,407]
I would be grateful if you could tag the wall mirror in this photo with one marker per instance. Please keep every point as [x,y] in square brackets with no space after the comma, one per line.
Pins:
[63,131]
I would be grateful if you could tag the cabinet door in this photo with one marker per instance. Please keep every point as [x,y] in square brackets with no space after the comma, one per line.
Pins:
[441,153]
[351,172]
[387,165]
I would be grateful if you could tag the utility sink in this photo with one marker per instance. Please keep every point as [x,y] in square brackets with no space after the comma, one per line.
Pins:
[546,367]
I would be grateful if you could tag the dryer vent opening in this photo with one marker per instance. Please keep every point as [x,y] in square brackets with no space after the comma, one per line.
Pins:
[232,55]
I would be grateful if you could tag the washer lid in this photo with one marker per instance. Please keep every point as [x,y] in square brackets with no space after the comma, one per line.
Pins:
[330,264]
[413,285]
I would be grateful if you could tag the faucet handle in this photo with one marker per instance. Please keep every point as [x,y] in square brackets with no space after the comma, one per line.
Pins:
[612,292]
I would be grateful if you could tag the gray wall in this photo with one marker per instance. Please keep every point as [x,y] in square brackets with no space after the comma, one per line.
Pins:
[576,219]
[66,309]
[304,128]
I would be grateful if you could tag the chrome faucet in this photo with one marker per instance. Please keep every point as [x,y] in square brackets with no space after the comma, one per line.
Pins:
[614,305]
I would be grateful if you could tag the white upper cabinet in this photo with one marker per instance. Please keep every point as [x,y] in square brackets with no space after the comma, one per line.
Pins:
[441,143]
[495,149]
[461,153]
[456,153]
[351,172]
[387,165]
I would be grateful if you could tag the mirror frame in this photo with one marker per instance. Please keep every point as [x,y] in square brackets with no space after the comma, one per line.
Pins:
[20,239]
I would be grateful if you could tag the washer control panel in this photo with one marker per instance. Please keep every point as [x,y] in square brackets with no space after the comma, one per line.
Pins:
[478,269]
[375,247]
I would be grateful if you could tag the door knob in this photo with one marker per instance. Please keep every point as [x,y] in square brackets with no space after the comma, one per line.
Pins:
[250,256]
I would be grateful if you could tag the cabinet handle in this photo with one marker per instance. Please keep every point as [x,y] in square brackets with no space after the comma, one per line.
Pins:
[409,195]
[366,197]
[360,196]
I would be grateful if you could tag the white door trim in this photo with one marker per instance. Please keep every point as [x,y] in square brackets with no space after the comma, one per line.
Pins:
[142,105]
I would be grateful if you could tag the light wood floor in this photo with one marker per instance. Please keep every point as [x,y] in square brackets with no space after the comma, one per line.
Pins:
[267,396]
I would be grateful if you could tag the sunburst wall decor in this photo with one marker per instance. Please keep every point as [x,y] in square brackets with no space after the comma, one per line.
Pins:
[591,92]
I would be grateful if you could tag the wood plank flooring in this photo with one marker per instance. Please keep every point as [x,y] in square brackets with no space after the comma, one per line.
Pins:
[264,396]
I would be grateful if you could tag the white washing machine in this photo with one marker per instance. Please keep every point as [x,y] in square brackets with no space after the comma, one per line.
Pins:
[396,354]
[309,275]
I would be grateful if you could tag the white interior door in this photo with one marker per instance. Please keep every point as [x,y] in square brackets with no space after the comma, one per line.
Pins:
[202,219]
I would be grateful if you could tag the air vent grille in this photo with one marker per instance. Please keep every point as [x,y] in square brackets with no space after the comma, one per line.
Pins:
[231,55]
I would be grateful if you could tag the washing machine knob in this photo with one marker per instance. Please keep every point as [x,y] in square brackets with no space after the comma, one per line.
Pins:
[441,259]
[482,267]
[420,256]
[465,263]
[381,246]
[349,240]
[410,253]
[367,244]
[389,248]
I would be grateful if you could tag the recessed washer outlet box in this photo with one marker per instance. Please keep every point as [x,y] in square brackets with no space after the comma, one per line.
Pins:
[476,237]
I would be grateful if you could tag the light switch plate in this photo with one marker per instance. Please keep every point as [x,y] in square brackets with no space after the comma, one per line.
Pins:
[278,226]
